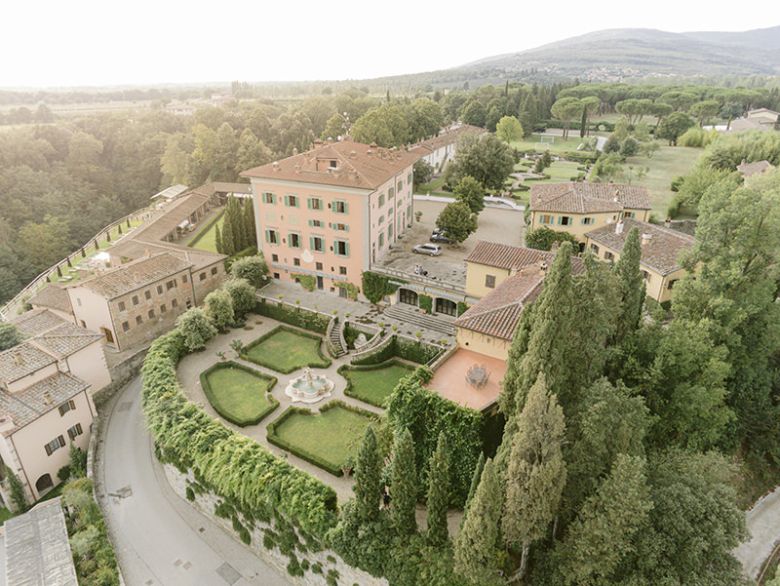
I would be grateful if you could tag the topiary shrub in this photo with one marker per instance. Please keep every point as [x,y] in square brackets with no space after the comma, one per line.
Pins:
[426,303]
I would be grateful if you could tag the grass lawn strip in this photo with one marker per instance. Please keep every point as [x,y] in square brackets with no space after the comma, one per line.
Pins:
[328,439]
[207,238]
[237,393]
[373,384]
[285,350]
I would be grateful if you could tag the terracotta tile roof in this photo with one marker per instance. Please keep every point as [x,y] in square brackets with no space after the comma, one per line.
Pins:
[661,247]
[135,274]
[505,256]
[585,198]
[358,165]
[52,296]
[135,249]
[28,405]
[65,340]
[36,322]
[749,169]
[445,138]
[498,312]
[22,360]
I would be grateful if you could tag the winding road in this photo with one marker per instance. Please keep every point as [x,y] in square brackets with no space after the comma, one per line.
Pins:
[159,538]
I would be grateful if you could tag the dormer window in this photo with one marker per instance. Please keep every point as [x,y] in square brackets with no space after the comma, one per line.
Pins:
[333,164]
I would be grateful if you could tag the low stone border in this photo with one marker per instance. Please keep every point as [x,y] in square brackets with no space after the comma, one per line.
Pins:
[206,385]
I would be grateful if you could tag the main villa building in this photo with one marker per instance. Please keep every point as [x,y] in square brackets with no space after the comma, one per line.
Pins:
[332,211]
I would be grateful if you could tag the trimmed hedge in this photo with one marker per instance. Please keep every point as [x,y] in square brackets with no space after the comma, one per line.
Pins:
[206,385]
[426,414]
[413,351]
[299,317]
[349,391]
[326,362]
[248,251]
[274,439]
[221,459]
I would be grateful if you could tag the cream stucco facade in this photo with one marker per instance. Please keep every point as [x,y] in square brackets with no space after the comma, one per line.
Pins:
[482,344]
[579,224]
[482,279]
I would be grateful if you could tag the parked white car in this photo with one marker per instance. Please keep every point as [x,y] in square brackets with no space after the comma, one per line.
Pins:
[429,249]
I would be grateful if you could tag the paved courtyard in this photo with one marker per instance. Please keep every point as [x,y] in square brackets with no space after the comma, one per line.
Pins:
[450,381]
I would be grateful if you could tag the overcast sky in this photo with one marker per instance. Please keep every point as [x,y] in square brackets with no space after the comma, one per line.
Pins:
[91,42]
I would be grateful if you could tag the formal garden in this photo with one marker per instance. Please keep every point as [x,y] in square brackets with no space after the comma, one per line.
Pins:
[239,394]
[373,384]
[285,350]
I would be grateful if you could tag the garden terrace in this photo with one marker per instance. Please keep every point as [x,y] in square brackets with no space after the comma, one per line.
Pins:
[329,439]
[238,393]
[285,349]
[373,383]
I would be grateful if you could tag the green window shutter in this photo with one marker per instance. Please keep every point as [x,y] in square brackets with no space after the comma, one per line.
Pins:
[346,249]
[311,243]
[286,200]
[346,208]
[308,202]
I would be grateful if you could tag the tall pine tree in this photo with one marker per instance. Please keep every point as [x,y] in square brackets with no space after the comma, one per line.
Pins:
[439,493]
[476,547]
[536,473]
[368,478]
[403,485]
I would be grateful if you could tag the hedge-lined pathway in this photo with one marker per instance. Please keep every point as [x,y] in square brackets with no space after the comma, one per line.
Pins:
[192,365]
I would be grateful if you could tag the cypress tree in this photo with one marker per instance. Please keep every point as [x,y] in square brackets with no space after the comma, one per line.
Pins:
[403,485]
[602,535]
[228,235]
[368,478]
[476,551]
[218,240]
[475,479]
[507,398]
[632,286]
[250,237]
[439,493]
[536,472]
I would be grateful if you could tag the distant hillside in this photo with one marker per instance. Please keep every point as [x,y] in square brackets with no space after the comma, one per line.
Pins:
[626,53]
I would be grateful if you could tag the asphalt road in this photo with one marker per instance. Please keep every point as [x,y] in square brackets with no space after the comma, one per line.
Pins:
[763,523]
[159,538]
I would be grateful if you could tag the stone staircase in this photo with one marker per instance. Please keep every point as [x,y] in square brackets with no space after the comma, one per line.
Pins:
[337,349]
[411,316]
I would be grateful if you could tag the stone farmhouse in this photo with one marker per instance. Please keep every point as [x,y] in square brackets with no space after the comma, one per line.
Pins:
[661,250]
[578,208]
[46,387]
[440,149]
[332,211]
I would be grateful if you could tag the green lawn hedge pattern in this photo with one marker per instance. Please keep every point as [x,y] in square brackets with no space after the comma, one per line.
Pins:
[373,383]
[285,350]
[328,439]
[238,393]
[225,462]
[295,316]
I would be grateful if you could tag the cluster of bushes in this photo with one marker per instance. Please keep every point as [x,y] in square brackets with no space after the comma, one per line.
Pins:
[93,555]
[427,414]
[399,347]
[276,440]
[295,316]
[187,437]
[543,238]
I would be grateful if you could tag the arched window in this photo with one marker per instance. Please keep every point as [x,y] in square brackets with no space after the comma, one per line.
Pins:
[43,484]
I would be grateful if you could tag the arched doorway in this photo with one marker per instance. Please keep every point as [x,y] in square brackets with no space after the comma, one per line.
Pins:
[407,296]
[446,306]
[43,484]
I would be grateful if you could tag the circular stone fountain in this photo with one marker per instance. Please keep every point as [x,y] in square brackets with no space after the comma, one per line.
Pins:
[309,388]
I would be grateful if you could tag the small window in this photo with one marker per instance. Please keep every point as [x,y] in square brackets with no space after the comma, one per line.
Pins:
[135,300]
[318,266]
[275,258]
[184,278]
[170,285]
[67,406]
[671,284]
[342,270]
[490,281]
[381,239]
[315,203]
[159,289]
[587,221]
[125,326]
[333,164]
[609,256]
[291,201]
[54,445]
[341,227]
[163,309]
[294,240]
[645,275]
[317,244]
[148,294]
[174,303]
[341,247]
[202,276]
[214,270]
[276,275]
[564,220]
[400,185]
[122,306]
[594,249]
[75,431]
[389,232]
[139,320]
[296,262]
[151,314]
[269,198]
[629,214]
[272,237]
[340,207]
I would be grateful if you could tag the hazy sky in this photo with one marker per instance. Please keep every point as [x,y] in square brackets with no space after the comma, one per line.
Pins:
[90,42]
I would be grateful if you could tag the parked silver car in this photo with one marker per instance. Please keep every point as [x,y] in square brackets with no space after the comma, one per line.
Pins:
[429,249]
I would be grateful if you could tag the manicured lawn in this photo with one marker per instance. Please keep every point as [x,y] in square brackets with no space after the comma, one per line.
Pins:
[434,187]
[239,394]
[207,240]
[327,439]
[559,172]
[285,350]
[558,145]
[665,165]
[374,385]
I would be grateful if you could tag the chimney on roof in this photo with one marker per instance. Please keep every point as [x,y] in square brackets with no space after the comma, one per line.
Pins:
[646,238]
[543,266]
[295,151]
[18,358]
[275,165]
[619,227]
